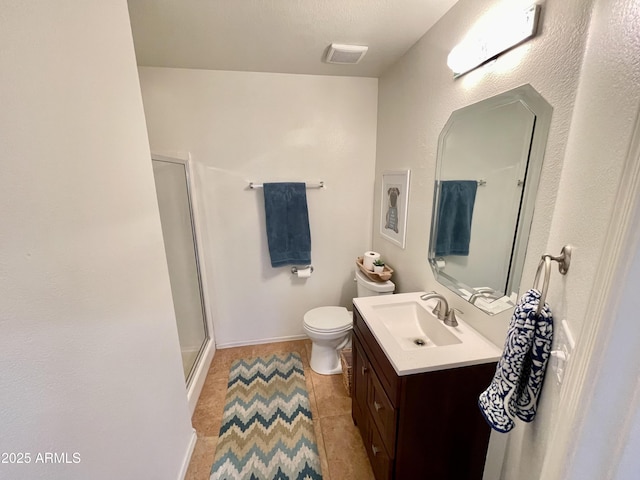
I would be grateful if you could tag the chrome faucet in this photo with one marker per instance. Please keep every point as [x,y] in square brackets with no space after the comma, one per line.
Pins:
[442,310]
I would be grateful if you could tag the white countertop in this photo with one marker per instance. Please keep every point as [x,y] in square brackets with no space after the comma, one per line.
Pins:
[473,349]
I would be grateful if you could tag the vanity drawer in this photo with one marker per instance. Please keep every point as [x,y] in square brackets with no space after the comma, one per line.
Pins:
[381,464]
[383,413]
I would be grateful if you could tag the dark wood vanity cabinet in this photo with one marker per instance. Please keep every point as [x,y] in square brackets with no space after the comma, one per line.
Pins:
[420,426]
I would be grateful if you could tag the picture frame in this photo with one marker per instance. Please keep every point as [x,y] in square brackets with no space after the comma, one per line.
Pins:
[394,206]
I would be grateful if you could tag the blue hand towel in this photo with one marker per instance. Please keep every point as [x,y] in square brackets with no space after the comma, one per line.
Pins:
[288,234]
[455,212]
[516,385]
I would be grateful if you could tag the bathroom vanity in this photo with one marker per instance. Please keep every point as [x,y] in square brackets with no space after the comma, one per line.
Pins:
[421,422]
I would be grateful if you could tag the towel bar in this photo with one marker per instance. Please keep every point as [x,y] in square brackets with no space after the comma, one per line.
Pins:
[564,260]
[253,186]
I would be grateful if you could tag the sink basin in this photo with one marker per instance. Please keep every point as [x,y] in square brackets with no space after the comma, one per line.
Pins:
[415,341]
[413,327]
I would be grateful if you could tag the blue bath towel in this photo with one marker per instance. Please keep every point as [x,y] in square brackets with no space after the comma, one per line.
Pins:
[455,212]
[516,385]
[288,234]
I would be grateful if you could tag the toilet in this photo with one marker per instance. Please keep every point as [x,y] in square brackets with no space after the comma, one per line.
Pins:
[329,328]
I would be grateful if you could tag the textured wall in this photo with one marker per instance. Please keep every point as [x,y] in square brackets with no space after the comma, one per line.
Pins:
[416,98]
[604,121]
[242,127]
[593,89]
[89,355]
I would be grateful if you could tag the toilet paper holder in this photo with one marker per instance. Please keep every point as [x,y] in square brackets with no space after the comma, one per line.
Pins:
[294,270]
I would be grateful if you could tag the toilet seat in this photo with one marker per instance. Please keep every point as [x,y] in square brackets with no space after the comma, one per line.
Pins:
[309,329]
[328,320]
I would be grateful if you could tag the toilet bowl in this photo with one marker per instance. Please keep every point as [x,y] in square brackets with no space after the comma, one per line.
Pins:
[329,328]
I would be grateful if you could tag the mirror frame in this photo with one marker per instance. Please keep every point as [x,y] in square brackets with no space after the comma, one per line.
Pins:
[542,111]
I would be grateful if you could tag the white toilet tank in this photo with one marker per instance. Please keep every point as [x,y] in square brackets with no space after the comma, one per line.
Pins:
[369,288]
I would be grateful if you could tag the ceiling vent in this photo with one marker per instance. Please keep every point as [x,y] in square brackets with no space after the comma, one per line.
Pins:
[345,54]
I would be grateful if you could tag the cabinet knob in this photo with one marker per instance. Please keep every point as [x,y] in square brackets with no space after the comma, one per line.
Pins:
[364,370]
[377,406]
[374,449]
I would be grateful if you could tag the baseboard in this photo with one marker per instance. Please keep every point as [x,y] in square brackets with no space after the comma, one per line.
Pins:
[261,341]
[187,458]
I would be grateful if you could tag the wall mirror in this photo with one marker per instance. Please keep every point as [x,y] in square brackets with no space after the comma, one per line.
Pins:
[488,167]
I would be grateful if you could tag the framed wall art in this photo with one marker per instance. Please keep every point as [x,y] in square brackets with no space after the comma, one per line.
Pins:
[395,199]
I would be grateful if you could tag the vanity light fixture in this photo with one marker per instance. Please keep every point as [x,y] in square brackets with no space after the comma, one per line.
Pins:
[499,36]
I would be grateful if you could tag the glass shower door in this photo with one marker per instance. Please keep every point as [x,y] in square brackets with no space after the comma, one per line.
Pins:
[176,215]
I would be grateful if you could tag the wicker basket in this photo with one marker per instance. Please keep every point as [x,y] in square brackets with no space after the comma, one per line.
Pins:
[376,277]
[346,359]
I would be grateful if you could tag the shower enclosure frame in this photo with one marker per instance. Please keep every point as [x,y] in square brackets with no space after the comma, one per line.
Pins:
[198,373]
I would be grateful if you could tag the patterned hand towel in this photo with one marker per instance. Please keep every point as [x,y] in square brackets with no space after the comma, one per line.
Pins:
[516,385]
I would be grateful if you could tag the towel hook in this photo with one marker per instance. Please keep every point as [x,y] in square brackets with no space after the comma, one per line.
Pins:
[564,260]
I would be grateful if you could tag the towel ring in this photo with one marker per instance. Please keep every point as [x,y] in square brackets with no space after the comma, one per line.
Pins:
[564,260]
[546,262]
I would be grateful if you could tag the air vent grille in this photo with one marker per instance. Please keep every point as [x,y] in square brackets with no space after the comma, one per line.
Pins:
[345,54]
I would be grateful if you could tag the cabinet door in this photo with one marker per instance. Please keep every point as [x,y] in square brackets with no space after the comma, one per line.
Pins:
[361,370]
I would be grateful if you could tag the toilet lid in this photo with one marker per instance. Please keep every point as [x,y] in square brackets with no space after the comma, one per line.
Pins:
[328,319]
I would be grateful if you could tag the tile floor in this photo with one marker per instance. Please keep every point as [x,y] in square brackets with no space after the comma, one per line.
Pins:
[342,452]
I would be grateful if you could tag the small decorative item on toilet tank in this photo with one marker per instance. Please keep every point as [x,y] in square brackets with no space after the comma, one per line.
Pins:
[378,266]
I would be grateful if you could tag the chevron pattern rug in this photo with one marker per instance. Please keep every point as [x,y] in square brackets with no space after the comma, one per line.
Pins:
[267,432]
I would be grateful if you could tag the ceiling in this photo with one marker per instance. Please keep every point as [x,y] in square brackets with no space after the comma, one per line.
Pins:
[286,36]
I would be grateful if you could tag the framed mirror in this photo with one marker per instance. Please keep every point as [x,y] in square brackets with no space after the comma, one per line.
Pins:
[490,156]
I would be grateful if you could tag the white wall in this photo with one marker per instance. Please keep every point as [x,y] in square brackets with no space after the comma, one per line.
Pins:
[582,169]
[241,127]
[89,351]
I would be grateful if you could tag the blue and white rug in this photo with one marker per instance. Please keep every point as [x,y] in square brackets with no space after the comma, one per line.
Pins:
[267,431]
